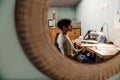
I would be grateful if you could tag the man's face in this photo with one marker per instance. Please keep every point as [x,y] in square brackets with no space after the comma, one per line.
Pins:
[69,27]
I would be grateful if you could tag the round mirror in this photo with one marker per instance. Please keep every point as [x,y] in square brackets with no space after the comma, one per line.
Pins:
[34,35]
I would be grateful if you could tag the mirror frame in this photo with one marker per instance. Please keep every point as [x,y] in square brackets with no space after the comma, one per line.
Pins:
[33,32]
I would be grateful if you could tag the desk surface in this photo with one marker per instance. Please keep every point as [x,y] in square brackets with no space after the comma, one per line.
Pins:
[104,50]
[101,49]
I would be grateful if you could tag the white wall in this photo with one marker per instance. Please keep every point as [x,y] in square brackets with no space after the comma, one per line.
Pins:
[93,16]
[13,63]
[117,23]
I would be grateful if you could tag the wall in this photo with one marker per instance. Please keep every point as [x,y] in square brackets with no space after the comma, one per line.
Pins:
[93,15]
[61,13]
[13,62]
[117,22]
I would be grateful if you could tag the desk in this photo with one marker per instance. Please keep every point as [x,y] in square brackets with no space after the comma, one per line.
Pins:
[102,50]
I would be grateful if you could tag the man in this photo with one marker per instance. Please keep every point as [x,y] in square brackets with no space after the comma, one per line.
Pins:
[64,43]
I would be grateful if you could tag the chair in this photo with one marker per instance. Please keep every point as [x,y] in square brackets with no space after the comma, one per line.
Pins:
[55,43]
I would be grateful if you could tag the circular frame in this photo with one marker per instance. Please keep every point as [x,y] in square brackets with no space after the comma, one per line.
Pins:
[34,35]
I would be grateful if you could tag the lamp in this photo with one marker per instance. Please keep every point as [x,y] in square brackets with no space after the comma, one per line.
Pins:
[103,26]
[54,18]
[54,15]
[101,30]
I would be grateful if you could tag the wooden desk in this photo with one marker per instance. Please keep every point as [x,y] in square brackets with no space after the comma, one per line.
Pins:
[102,50]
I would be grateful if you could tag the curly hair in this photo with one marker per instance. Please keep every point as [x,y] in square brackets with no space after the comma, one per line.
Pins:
[63,22]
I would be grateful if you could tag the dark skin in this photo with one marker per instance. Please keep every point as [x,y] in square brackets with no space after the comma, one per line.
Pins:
[67,29]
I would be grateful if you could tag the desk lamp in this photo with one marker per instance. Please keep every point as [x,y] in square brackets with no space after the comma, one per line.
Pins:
[102,38]
[101,30]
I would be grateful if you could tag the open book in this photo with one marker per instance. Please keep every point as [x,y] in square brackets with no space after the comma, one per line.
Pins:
[107,47]
[89,41]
